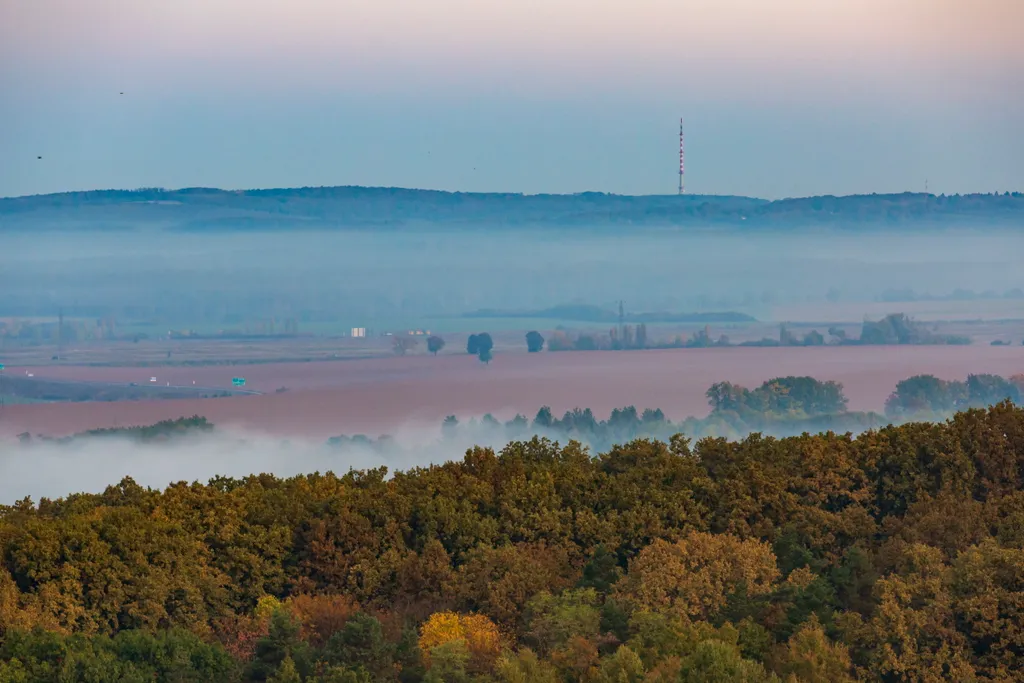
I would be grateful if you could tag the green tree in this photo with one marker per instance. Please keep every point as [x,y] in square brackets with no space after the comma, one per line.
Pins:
[811,657]
[814,338]
[622,667]
[554,620]
[343,674]
[448,663]
[601,572]
[913,633]
[715,661]
[361,644]
[544,419]
[525,667]
[286,673]
[434,344]
[402,344]
[925,395]
[534,341]
[484,346]
[988,390]
[281,643]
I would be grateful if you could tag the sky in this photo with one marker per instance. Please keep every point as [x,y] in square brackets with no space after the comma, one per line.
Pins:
[780,97]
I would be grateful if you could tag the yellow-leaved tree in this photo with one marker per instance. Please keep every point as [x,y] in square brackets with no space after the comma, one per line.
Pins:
[479,634]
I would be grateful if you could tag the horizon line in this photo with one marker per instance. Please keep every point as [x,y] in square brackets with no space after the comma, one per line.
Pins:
[242,191]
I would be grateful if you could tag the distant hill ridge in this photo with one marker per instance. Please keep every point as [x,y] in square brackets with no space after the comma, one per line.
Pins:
[202,209]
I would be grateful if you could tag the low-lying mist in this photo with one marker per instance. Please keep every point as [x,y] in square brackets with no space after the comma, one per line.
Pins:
[385,278]
[193,449]
[54,469]
[88,464]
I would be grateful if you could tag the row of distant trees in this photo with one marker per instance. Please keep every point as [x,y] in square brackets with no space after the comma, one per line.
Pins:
[779,407]
[480,344]
[893,329]
[922,396]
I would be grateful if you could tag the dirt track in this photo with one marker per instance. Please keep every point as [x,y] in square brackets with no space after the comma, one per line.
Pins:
[374,396]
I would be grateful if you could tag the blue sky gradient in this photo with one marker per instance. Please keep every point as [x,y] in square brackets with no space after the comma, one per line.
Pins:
[782,98]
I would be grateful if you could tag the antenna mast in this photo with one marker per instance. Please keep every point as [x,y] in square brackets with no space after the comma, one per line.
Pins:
[681,157]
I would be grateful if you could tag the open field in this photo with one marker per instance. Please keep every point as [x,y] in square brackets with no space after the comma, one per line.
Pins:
[24,389]
[380,395]
[508,335]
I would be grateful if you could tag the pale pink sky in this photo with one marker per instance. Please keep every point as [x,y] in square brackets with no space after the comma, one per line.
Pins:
[949,65]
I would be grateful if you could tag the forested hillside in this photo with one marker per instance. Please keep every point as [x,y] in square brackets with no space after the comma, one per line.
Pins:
[896,555]
[382,208]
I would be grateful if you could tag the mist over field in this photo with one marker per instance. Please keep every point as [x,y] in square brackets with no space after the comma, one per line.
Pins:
[339,257]
[376,278]
[90,465]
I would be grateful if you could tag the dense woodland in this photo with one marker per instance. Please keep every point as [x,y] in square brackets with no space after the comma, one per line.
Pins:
[894,555]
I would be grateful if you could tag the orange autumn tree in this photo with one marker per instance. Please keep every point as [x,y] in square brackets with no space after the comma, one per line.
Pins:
[239,633]
[476,631]
[321,616]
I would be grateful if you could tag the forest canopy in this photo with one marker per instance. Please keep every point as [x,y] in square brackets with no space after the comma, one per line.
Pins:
[896,554]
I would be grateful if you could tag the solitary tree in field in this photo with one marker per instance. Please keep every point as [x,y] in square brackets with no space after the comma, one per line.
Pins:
[534,341]
[473,344]
[401,344]
[434,344]
[484,344]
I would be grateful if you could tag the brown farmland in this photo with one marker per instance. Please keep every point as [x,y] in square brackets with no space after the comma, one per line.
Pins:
[377,395]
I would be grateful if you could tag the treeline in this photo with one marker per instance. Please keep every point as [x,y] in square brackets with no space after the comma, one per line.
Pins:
[203,209]
[42,390]
[160,431]
[76,330]
[52,332]
[893,329]
[923,395]
[783,406]
[896,555]
[779,407]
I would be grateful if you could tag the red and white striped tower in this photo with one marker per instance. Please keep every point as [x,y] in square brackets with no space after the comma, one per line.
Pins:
[682,167]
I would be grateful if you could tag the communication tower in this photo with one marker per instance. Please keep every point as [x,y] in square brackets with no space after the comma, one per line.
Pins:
[682,166]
